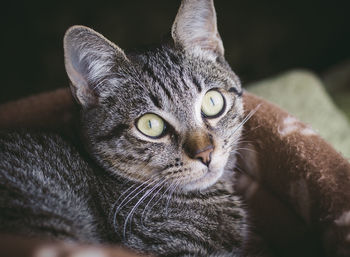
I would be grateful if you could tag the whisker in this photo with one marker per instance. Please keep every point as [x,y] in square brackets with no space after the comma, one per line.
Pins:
[122,204]
[115,203]
[137,204]
[240,141]
[151,191]
[249,115]
[160,198]
[144,210]
[246,149]
[127,190]
[169,197]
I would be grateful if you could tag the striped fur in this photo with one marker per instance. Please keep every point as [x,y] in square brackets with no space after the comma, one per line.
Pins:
[143,192]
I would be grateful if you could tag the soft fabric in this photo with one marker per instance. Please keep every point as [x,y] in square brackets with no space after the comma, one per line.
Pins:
[11,246]
[51,110]
[296,186]
[337,82]
[302,94]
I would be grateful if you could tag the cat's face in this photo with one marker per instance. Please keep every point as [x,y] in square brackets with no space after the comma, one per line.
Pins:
[169,115]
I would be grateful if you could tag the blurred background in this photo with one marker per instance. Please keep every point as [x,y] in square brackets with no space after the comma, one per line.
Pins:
[261,38]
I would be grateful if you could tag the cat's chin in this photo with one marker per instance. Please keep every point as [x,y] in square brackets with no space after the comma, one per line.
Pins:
[209,175]
[209,178]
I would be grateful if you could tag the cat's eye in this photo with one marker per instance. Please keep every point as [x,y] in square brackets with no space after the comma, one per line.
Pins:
[151,125]
[213,104]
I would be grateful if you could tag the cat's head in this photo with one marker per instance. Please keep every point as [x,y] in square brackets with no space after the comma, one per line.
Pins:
[170,114]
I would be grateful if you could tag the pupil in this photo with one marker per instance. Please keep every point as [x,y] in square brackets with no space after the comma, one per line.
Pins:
[212,101]
[149,123]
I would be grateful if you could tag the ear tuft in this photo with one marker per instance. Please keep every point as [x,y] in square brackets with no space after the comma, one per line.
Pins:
[89,57]
[195,26]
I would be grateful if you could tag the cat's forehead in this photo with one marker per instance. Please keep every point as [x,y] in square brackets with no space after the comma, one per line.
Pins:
[170,77]
[165,80]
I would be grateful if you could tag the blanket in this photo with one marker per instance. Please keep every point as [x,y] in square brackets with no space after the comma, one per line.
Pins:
[296,185]
[303,94]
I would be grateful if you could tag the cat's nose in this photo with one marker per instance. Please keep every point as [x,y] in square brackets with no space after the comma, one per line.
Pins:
[199,146]
[204,155]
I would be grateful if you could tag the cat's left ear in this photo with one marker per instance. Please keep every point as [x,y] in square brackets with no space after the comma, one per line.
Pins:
[195,27]
[89,59]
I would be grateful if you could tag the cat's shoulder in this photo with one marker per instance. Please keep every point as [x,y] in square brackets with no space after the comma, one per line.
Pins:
[44,182]
[38,152]
[33,161]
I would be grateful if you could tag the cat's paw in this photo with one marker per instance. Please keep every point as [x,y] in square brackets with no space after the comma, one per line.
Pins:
[75,250]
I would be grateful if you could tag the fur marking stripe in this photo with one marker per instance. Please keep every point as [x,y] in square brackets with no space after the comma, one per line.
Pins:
[155,100]
[150,72]
[114,133]
[197,84]
[235,90]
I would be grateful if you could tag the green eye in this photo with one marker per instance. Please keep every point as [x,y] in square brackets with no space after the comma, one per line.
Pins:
[151,125]
[213,104]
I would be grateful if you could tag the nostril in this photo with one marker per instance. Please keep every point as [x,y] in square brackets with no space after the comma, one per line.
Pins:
[205,155]
[205,161]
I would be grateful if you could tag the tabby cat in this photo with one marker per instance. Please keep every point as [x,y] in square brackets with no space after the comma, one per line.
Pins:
[160,129]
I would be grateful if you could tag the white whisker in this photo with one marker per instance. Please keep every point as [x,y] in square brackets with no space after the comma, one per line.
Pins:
[169,197]
[150,192]
[154,195]
[137,204]
[123,203]
[246,149]
[160,198]
[249,115]
[115,203]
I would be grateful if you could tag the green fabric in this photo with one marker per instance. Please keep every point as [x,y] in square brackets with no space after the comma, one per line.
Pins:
[302,94]
[343,102]
[337,82]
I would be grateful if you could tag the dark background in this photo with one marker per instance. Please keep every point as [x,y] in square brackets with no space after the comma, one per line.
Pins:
[261,38]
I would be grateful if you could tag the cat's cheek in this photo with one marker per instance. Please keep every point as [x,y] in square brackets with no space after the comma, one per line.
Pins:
[218,159]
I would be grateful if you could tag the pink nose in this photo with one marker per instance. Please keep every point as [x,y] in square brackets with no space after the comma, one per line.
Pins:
[204,155]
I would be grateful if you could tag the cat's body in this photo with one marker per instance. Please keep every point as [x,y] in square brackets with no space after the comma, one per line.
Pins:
[48,190]
[160,128]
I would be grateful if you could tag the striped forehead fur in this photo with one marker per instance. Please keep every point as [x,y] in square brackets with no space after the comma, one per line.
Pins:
[171,77]
[164,80]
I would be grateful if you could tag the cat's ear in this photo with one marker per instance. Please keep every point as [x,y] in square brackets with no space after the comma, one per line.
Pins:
[89,58]
[195,26]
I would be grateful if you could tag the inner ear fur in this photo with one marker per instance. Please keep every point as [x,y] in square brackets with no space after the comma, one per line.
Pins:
[89,57]
[195,26]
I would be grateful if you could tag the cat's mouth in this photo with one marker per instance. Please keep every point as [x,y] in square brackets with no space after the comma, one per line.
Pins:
[203,177]
[209,178]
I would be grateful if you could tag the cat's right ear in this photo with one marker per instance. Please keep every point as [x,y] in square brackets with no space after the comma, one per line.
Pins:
[195,27]
[89,59]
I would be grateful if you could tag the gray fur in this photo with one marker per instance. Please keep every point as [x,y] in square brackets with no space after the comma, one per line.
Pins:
[144,193]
